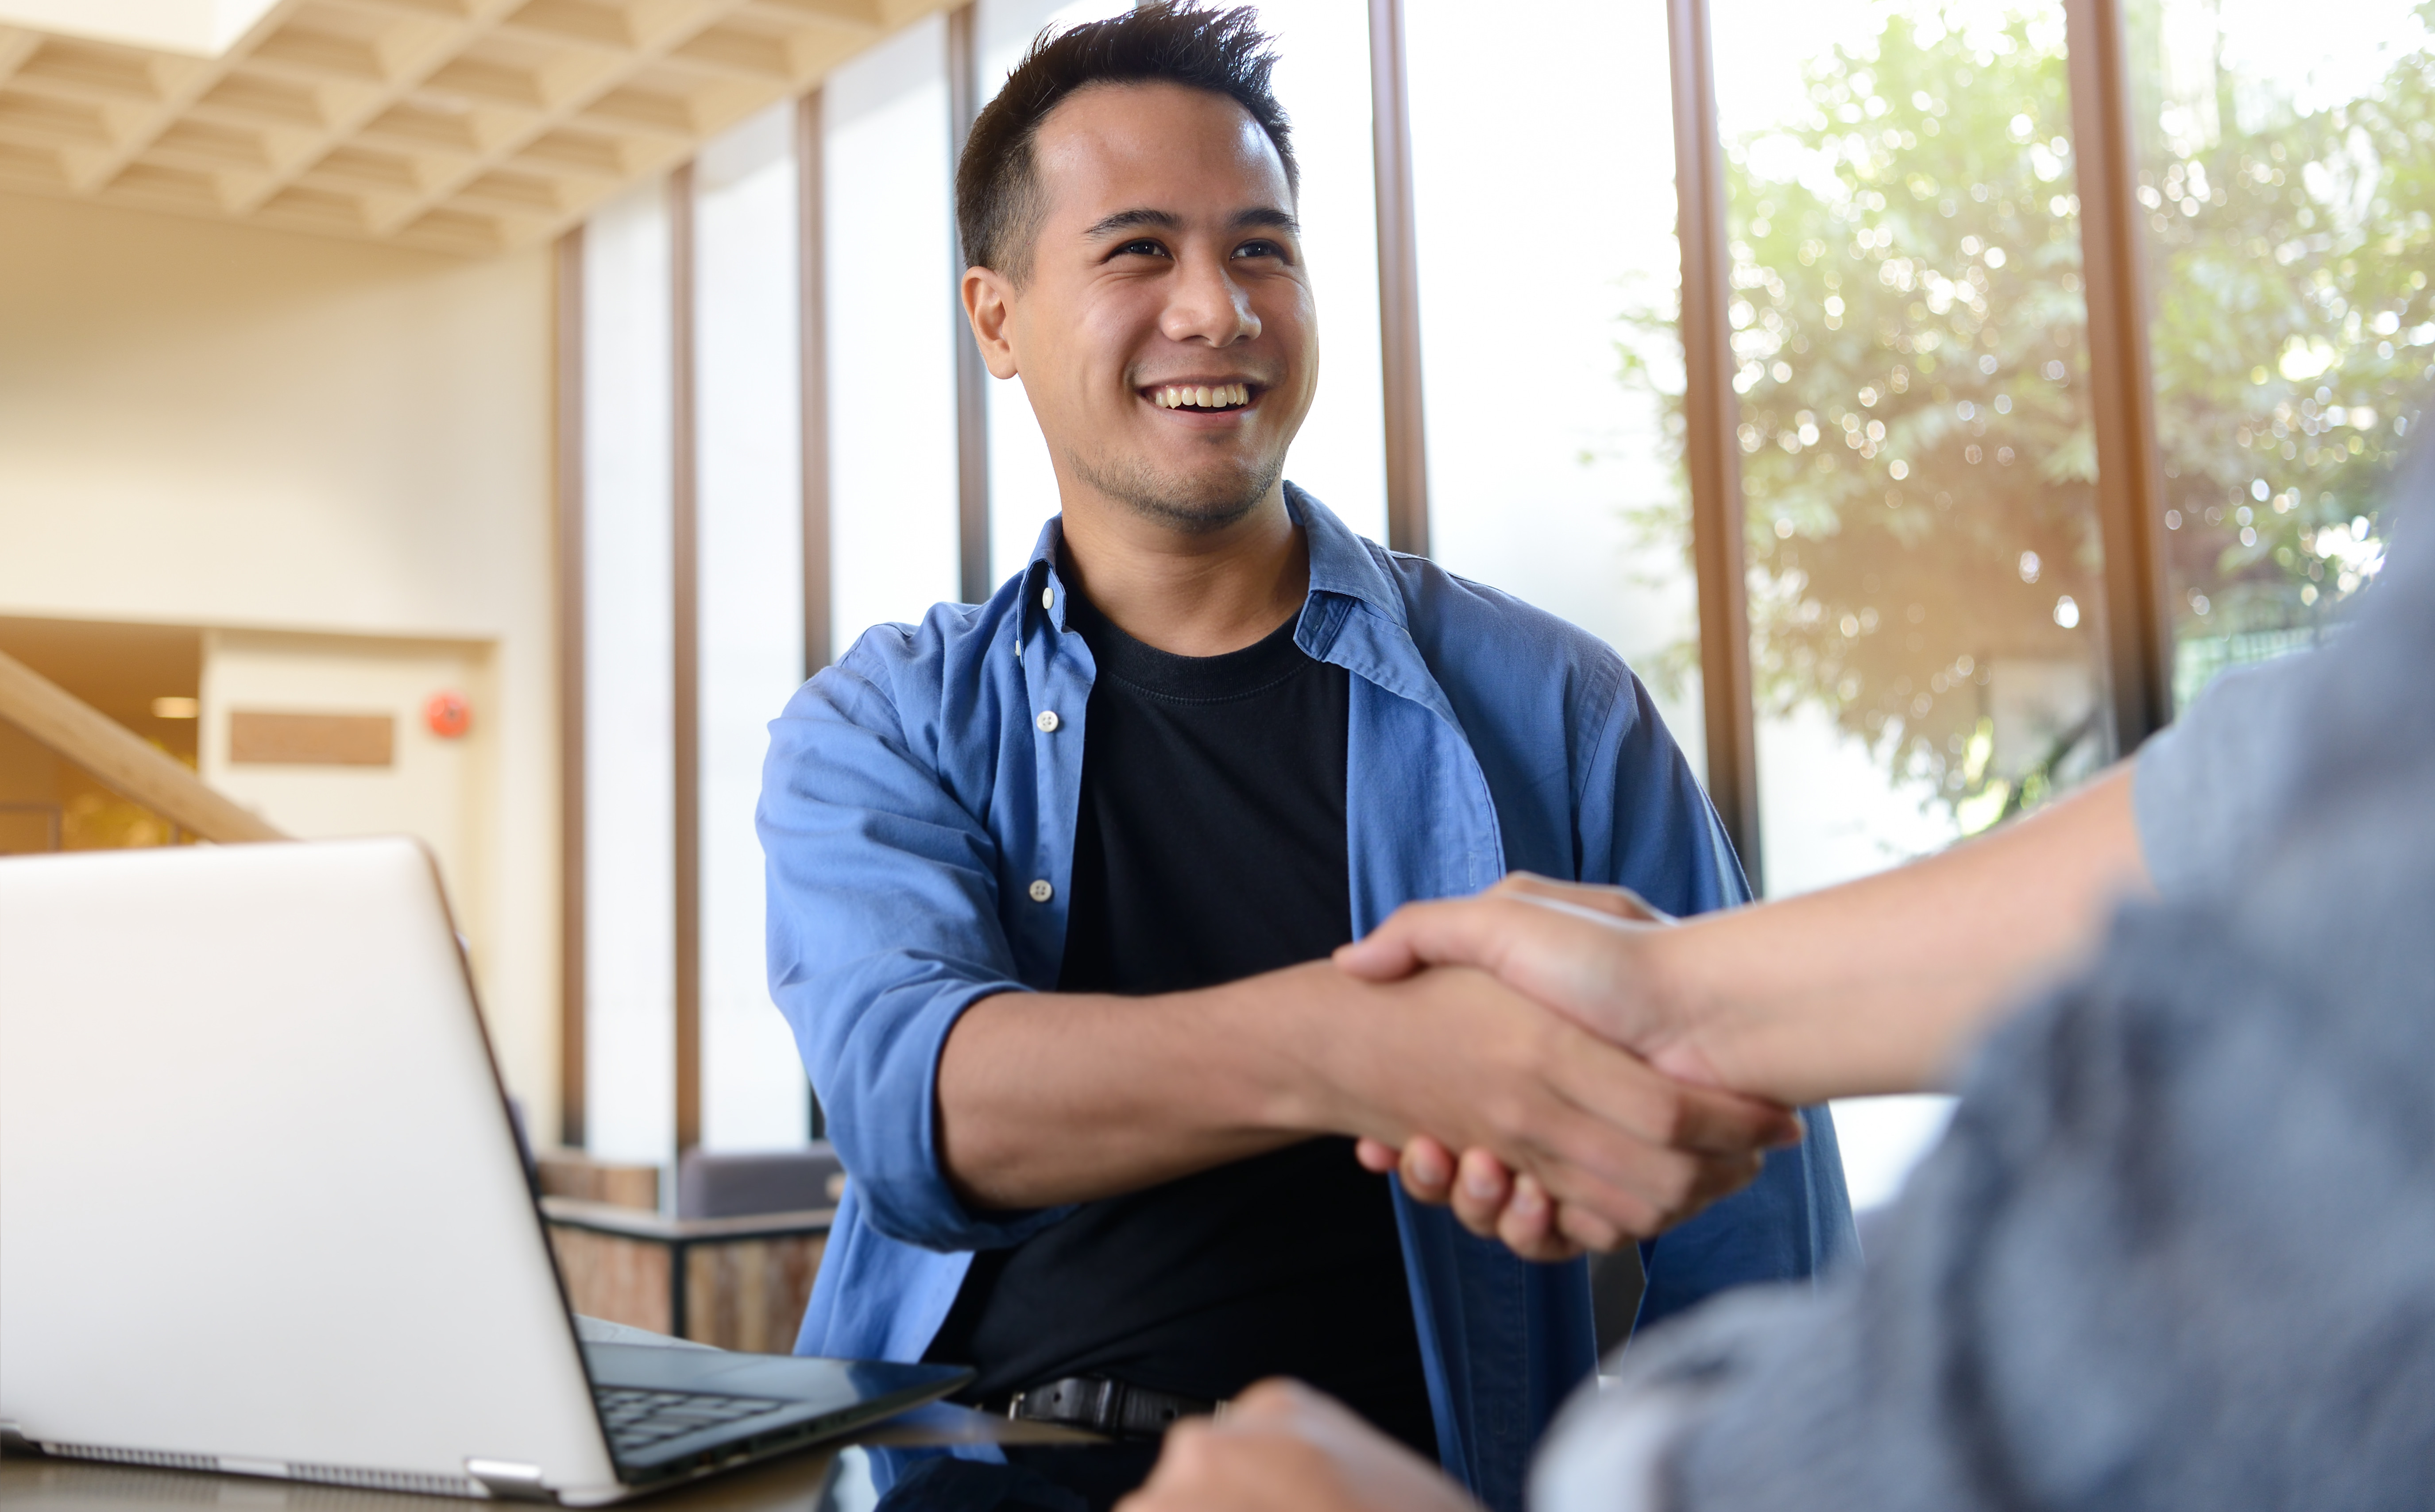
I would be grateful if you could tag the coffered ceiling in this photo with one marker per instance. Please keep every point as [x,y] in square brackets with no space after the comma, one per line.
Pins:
[464,126]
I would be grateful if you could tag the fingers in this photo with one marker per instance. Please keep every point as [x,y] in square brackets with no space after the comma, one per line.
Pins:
[1375,1157]
[1284,1447]
[1530,1225]
[1428,1169]
[1588,963]
[1620,902]
[1416,935]
[1465,931]
[1622,1090]
[1482,1187]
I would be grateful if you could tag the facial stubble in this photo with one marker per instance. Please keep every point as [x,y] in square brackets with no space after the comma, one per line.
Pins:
[1192,507]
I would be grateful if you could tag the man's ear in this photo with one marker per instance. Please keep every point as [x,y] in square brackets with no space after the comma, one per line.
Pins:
[988,303]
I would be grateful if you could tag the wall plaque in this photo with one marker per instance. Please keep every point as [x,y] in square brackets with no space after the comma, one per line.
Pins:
[260,738]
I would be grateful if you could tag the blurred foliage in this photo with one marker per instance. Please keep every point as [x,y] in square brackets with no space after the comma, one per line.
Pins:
[1910,333]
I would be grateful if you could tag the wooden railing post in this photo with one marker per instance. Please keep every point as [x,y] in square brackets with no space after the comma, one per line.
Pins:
[120,759]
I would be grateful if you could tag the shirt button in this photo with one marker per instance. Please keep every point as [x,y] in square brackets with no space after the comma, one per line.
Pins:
[1042,891]
[1047,597]
[1048,721]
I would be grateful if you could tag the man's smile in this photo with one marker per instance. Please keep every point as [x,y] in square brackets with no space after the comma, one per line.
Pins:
[1210,396]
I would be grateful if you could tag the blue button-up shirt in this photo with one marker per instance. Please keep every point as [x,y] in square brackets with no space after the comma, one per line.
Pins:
[918,822]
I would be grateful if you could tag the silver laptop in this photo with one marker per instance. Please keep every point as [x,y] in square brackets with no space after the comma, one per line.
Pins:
[262,1209]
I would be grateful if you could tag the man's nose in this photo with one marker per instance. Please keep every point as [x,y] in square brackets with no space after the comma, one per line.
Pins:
[1206,306]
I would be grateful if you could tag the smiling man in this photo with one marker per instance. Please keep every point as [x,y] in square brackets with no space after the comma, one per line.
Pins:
[1054,878]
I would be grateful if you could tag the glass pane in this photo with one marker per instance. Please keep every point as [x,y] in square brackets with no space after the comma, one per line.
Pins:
[890,308]
[2284,172]
[1323,78]
[1918,465]
[1022,485]
[748,418]
[1917,459]
[628,672]
[1552,366]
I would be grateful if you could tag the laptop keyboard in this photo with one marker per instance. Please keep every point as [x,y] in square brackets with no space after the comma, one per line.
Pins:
[638,1419]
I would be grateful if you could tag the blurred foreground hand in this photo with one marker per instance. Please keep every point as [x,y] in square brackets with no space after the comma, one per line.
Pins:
[1284,1447]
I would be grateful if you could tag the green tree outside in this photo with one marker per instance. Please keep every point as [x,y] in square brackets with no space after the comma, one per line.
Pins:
[1911,334]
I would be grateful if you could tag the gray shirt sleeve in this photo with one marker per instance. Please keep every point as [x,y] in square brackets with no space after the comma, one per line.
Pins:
[2208,786]
[2171,1253]
[2172,1250]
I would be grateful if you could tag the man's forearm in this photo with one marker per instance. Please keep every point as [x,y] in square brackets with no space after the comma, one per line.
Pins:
[1046,1099]
[1879,985]
[1051,1098]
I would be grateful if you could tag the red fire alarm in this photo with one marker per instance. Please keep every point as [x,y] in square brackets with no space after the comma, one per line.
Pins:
[448,715]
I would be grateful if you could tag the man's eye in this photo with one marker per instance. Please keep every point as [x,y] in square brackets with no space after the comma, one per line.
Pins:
[1260,249]
[1141,248]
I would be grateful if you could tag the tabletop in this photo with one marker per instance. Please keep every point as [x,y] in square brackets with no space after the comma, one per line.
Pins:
[843,1475]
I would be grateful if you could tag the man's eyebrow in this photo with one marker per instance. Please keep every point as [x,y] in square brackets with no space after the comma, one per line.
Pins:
[1257,215]
[1132,219]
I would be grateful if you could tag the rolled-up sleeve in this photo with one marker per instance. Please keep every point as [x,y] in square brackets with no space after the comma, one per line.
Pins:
[883,928]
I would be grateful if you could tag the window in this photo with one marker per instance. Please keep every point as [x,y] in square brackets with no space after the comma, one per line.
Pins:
[1340,455]
[1937,636]
[891,357]
[1022,480]
[749,566]
[1549,277]
[629,731]
[2286,205]
[1917,464]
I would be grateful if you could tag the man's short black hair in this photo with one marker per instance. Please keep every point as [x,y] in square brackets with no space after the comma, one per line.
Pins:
[998,205]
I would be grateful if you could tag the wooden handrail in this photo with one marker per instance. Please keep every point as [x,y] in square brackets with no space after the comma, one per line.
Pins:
[120,759]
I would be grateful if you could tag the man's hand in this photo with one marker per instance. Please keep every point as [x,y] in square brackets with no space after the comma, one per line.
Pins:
[1606,1148]
[1284,1447]
[1578,946]
[1486,1197]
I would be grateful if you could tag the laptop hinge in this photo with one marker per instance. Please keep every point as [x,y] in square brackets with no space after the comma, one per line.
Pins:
[507,1481]
[13,1440]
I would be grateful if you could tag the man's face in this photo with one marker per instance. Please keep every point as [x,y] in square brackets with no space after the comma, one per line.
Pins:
[1166,271]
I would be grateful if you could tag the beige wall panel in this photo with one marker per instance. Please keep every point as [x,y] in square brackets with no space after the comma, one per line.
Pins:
[442,791]
[216,425]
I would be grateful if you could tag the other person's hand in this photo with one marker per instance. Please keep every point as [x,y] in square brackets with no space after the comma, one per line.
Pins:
[1583,950]
[1284,1447]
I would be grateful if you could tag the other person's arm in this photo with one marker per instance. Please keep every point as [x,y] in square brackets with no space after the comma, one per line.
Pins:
[1872,986]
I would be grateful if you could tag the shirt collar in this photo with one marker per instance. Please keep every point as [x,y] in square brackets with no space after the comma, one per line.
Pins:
[1341,561]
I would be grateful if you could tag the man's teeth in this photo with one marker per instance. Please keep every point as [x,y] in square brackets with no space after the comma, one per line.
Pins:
[1206,396]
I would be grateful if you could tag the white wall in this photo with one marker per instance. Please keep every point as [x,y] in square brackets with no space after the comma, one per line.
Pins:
[229,426]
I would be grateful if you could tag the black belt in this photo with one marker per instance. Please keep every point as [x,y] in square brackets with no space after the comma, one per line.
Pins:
[1107,1406]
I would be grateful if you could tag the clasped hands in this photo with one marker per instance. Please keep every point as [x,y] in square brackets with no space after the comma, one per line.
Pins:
[1592,955]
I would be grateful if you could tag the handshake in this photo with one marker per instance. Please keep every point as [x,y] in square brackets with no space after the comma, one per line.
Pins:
[1548,1070]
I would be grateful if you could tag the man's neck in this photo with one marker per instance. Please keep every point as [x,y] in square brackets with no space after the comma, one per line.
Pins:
[1189,593]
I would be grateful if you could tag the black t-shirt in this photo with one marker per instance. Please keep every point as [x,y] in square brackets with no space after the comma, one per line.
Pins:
[1210,847]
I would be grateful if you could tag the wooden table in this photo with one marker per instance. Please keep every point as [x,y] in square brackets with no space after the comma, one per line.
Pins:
[793,1483]
[734,1283]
